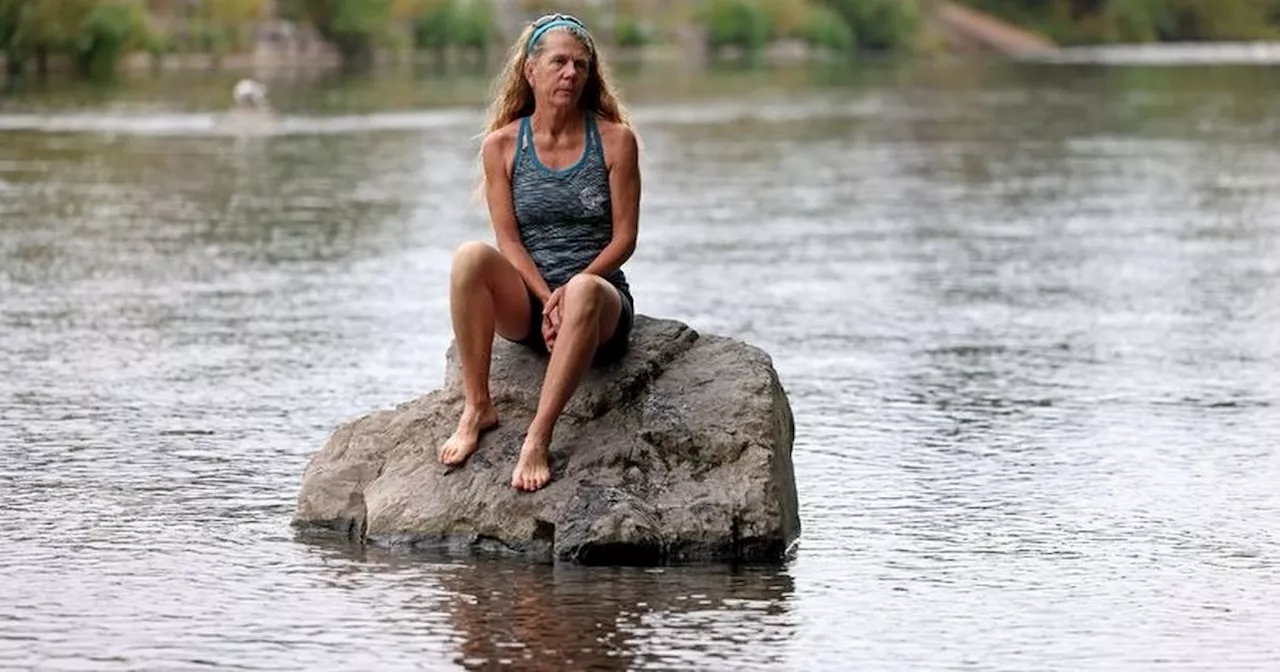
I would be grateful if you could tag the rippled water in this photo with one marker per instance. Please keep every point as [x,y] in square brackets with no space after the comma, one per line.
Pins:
[1027,318]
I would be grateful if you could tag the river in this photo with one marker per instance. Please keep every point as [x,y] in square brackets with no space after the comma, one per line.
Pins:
[1028,317]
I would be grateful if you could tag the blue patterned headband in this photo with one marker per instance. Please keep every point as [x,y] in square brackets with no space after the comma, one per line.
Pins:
[546,23]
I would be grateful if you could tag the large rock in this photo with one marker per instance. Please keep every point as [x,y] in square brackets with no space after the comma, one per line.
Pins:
[679,452]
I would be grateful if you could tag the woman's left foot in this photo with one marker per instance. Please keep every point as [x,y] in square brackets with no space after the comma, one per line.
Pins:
[532,470]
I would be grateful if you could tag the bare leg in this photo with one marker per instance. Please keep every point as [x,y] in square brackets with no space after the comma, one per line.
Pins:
[485,294]
[591,310]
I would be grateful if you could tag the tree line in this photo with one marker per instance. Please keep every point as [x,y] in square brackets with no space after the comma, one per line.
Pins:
[888,25]
[92,36]
[1110,21]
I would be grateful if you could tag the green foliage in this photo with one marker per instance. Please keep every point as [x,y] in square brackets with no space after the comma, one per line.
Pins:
[1229,20]
[1137,20]
[434,28]
[10,41]
[735,23]
[97,34]
[221,26]
[823,27]
[475,24]
[450,23]
[158,43]
[352,26]
[627,32]
[358,20]
[879,25]
[34,28]
[205,37]
[1104,21]
[109,31]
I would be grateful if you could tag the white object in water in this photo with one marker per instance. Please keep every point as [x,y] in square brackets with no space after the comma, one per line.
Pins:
[248,93]
[252,114]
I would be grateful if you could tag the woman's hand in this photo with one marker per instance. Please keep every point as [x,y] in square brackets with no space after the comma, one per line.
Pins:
[551,312]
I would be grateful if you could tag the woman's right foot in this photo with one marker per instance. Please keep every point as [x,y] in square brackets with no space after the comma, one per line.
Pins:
[532,469]
[474,422]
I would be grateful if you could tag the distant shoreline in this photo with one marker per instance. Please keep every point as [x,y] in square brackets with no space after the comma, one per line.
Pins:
[1168,53]
[320,57]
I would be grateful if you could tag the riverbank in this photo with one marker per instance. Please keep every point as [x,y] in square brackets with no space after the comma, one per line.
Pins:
[762,31]
[321,57]
[1176,53]
[951,32]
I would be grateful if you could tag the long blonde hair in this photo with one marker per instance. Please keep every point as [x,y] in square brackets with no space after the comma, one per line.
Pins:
[513,96]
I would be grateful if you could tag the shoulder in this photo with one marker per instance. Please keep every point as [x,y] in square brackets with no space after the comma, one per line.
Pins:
[500,144]
[621,146]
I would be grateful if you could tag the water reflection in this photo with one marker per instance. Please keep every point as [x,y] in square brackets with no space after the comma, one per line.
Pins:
[510,614]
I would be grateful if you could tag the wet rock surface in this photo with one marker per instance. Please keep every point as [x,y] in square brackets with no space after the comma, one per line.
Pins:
[679,452]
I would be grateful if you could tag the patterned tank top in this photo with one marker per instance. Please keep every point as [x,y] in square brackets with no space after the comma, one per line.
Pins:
[565,216]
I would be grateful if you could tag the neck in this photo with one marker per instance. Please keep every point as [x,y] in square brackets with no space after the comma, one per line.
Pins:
[556,120]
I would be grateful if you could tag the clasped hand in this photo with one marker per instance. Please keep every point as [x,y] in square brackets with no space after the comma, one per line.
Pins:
[551,313]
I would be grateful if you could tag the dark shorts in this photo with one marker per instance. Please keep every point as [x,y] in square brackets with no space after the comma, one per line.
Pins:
[609,351]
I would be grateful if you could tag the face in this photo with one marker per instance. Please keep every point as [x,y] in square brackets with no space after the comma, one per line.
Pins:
[558,70]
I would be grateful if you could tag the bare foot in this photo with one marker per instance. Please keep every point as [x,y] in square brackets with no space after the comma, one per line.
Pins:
[532,471]
[465,439]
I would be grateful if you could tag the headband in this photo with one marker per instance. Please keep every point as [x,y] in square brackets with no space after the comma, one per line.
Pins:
[554,23]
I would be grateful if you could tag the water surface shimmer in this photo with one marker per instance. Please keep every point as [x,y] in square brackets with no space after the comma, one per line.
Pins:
[1027,318]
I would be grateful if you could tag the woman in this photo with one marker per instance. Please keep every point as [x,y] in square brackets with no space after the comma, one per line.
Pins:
[562,183]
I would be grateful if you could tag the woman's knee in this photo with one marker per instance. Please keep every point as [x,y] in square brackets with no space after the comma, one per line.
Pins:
[584,297]
[469,261]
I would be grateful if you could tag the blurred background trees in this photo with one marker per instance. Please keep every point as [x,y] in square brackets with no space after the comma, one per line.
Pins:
[1105,21]
[91,37]
[92,34]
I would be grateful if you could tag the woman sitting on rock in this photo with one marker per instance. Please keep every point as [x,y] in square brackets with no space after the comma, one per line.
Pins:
[562,184]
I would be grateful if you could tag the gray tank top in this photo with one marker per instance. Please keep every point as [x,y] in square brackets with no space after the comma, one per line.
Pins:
[565,216]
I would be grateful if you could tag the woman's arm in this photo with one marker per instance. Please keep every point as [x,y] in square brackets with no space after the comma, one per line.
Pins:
[497,153]
[622,156]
